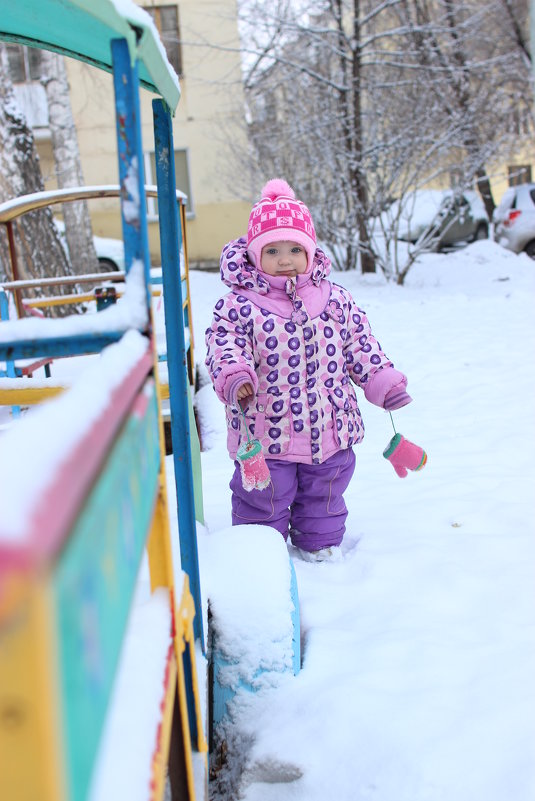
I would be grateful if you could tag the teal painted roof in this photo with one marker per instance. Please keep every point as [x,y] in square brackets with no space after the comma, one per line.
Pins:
[83,29]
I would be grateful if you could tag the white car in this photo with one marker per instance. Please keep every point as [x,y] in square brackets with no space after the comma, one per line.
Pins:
[514,220]
[110,252]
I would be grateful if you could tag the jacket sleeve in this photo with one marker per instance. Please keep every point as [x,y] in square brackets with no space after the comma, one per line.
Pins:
[369,366]
[229,359]
[387,388]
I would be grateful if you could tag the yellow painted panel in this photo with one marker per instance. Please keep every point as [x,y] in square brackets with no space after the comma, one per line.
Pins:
[30,757]
[28,396]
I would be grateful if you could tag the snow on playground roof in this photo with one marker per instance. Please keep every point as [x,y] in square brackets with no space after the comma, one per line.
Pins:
[83,29]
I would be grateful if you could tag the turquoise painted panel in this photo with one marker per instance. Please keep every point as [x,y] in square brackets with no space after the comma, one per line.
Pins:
[93,586]
[83,30]
[196,466]
[296,621]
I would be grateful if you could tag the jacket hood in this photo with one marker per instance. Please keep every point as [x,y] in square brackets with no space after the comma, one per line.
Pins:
[238,272]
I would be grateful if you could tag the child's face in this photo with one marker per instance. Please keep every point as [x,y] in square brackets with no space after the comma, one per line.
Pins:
[284,258]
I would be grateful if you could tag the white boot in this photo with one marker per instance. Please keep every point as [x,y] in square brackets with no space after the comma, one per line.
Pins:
[331,554]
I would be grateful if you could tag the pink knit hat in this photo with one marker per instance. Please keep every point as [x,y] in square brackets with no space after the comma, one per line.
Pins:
[279,217]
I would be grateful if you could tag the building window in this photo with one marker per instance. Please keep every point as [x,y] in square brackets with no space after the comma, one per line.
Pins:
[519,174]
[166,20]
[24,63]
[521,121]
[182,181]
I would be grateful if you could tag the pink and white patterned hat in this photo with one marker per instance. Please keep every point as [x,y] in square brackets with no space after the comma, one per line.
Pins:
[279,217]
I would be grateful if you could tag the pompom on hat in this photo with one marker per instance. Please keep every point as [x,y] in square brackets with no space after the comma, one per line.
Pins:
[279,217]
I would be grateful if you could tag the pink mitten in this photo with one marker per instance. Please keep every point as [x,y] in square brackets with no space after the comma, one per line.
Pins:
[254,470]
[404,455]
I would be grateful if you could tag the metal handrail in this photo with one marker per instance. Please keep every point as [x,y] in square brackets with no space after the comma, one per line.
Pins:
[16,207]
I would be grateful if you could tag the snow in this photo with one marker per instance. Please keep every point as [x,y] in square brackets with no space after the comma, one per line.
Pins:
[134,710]
[419,647]
[252,617]
[131,183]
[34,447]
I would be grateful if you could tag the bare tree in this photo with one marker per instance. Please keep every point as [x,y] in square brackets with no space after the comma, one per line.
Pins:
[78,231]
[348,141]
[358,102]
[38,244]
[477,79]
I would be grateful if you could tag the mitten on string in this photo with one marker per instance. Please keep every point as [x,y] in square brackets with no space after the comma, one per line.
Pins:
[404,455]
[254,470]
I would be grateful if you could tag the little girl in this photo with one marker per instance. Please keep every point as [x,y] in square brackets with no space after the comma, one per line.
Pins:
[284,349]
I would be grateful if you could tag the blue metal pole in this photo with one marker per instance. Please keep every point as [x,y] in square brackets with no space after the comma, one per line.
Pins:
[171,243]
[10,364]
[130,153]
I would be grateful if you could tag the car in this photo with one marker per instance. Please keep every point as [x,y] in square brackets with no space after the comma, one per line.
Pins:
[110,252]
[514,219]
[445,217]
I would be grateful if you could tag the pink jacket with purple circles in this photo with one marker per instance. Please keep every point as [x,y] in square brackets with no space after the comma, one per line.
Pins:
[302,344]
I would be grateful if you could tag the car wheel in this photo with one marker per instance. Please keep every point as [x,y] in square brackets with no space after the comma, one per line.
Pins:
[107,266]
[530,249]
[482,232]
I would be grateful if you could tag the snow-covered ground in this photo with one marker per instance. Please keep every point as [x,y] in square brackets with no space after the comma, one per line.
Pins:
[419,647]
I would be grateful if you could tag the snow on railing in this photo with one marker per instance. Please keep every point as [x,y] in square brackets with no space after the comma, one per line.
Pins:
[33,448]
[130,311]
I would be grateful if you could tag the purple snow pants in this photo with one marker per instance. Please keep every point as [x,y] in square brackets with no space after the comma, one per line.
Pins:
[304,500]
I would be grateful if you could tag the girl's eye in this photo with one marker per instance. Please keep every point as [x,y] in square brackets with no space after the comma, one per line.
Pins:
[271,251]
[297,250]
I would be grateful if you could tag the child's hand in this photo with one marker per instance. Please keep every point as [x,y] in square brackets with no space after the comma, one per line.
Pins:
[404,455]
[245,391]
[397,397]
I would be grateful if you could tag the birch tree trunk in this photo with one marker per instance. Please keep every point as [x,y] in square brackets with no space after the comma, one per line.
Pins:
[78,231]
[39,250]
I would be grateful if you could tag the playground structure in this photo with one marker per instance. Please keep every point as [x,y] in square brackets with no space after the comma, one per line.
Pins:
[106,289]
[64,618]
[69,566]
[77,617]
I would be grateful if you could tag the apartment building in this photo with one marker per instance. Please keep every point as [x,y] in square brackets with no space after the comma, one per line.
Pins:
[202,43]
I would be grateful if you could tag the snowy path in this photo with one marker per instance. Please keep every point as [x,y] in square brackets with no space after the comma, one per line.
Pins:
[419,648]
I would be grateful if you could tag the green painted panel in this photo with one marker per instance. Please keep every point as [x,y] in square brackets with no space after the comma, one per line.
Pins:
[93,585]
[196,464]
